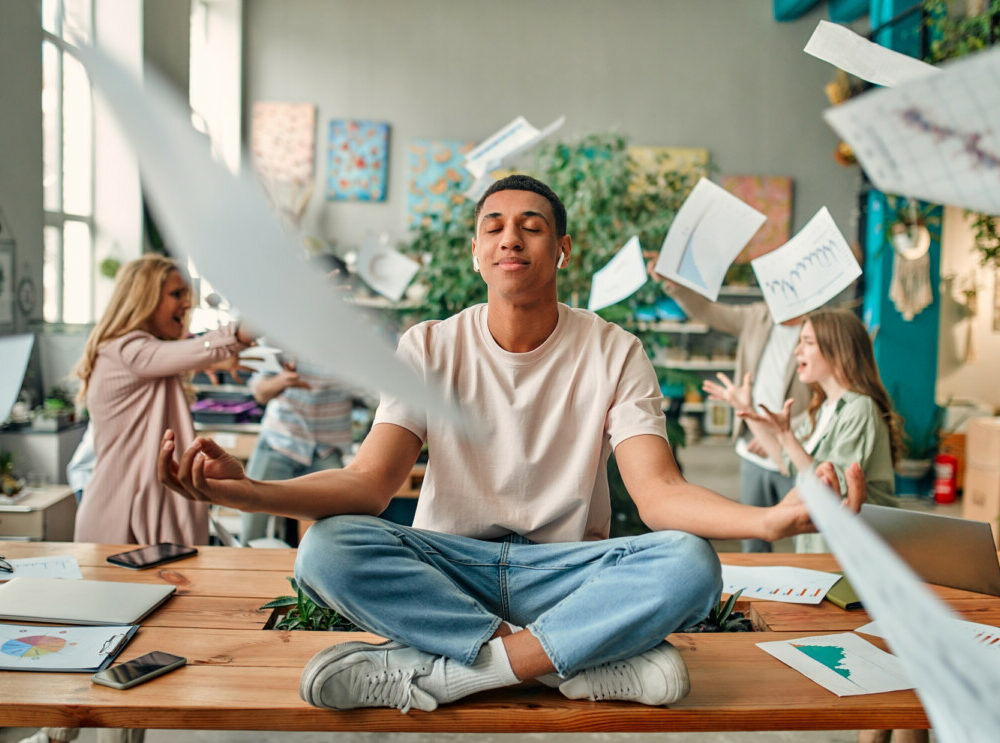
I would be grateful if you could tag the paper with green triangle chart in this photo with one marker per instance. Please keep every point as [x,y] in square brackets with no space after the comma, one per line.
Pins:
[844,663]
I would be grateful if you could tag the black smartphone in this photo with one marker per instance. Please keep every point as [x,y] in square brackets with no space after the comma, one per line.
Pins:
[138,670]
[154,554]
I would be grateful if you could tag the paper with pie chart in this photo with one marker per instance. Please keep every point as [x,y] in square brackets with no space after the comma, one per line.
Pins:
[27,647]
[844,663]
[384,269]
[709,231]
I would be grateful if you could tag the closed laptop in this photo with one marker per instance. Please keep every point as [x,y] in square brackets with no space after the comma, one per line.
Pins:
[66,601]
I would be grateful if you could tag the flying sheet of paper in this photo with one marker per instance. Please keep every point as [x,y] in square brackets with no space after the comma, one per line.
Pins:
[843,663]
[709,231]
[502,148]
[385,269]
[778,583]
[985,635]
[15,350]
[855,54]
[25,647]
[263,359]
[210,215]
[56,566]
[620,278]
[957,683]
[808,270]
[934,138]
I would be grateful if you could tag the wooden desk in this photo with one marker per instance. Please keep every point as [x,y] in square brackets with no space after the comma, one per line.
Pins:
[240,677]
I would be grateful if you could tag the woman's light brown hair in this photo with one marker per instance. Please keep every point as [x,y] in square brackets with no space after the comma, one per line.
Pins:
[135,298]
[843,341]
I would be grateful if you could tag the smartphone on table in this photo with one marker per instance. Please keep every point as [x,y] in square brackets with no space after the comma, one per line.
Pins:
[154,554]
[138,670]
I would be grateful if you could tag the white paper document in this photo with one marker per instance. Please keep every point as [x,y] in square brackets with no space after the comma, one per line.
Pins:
[15,350]
[958,684]
[39,648]
[385,269]
[935,138]
[55,566]
[855,54]
[808,270]
[204,210]
[620,278]
[985,635]
[709,231]
[262,359]
[501,149]
[843,663]
[778,583]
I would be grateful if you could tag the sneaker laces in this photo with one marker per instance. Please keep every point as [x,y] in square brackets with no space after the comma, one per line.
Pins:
[613,681]
[387,688]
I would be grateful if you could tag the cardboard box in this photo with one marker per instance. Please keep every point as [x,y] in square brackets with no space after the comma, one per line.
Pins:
[981,498]
[954,444]
[982,445]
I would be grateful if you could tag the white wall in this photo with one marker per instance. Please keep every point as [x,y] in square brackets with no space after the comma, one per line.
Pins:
[969,350]
[700,73]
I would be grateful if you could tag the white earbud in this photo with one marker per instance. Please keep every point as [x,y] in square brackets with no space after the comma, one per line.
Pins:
[562,260]
[475,264]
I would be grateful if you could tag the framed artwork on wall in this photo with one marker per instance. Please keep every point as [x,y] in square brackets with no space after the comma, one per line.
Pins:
[437,178]
[771,195]
[357,160]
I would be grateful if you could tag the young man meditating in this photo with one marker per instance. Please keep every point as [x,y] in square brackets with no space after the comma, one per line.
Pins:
[507,573]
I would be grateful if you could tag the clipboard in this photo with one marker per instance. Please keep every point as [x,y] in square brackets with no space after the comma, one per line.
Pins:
[55,649]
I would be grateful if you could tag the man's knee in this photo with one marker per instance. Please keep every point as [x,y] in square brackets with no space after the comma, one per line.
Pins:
[329,551]
[693,565]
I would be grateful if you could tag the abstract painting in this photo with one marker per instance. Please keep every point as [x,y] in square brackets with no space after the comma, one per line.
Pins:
[771,195]
[283,140]
[437,179]
[357,160]
[660,159]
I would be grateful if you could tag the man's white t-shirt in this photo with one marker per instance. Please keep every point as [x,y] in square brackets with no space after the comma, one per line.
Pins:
[545,423]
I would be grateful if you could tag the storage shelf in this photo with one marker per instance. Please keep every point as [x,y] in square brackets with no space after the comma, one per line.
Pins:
[666,326]
[740,291]
[706,365]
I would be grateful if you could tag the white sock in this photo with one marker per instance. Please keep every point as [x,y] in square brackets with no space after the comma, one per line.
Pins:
[450,680]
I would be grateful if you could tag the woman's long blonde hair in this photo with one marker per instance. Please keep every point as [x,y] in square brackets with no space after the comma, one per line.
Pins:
[843,341]
[135,298]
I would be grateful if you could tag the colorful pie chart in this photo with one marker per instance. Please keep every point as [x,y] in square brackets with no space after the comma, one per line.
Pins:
[34,646]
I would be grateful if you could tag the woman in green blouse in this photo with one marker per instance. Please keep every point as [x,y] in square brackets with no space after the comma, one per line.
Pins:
[850,417]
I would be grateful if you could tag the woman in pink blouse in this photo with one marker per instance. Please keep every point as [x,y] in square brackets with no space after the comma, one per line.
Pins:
[132,386]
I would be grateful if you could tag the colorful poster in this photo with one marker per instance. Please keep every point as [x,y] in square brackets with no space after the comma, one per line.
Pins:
[772,196]
[357,160]
[283,140]
[659,160]
[437,179]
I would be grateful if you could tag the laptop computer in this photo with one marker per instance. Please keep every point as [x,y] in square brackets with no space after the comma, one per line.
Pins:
[64,601]
[945,550]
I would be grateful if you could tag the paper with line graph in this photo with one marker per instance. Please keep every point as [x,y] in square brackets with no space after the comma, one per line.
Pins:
[935,138]
[808,270]
[778,583]
[709,231]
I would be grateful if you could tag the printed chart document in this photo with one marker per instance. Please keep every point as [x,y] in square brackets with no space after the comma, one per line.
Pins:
[15,350]
[709,231]
[843,663]
[778,583]
[385,269]
[958,684]
[620,278]
[808,270]
[983,634]
[934,138]
[26,647]
[855,54]
[53,566]
[513,140]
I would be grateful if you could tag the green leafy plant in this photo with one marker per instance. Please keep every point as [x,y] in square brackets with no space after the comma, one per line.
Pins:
[722,618]
[306,614]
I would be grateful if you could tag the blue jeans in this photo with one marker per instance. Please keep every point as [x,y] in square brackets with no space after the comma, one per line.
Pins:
[586,602]
[267,464]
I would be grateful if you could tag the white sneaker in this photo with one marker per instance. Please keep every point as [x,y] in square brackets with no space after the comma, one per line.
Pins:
[38,737]
[656,677]
[364,674]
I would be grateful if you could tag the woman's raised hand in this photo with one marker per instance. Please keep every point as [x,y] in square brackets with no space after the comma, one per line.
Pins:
[778,423]
[725,390]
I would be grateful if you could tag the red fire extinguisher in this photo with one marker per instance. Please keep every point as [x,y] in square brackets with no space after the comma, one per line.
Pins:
[945,478]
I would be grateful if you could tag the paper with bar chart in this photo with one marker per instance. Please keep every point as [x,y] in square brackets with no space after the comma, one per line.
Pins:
[778,583]
[934,138]
[844,663]
[984,635]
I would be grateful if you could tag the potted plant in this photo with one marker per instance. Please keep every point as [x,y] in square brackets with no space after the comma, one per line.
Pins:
[301,612]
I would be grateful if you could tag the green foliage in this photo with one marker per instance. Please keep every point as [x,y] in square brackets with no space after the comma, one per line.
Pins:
[306,614]
[722,618]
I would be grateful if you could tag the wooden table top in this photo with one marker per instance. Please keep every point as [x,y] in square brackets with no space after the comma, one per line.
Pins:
[243,678]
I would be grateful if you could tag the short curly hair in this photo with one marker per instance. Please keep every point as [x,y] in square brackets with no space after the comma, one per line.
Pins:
[521,182]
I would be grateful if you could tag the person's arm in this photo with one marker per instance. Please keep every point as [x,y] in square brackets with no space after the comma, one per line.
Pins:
[148,356]
[726,318]
[269,386]
[205,472]
[740,398]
